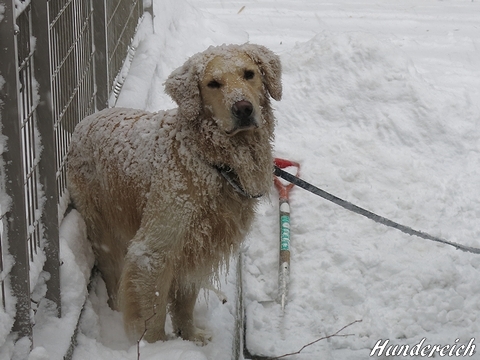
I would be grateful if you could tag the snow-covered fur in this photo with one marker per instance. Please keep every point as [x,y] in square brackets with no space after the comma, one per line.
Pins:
[168,196]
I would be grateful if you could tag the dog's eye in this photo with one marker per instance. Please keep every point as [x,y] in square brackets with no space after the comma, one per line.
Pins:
[214,84]
[248,74]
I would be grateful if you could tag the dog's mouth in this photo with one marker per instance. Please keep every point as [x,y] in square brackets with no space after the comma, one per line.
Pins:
[235,130]
[232,178]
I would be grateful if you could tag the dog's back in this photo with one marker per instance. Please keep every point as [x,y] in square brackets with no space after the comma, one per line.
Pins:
[111,161]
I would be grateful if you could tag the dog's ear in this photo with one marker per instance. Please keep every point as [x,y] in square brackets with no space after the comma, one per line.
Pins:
[270,66]
[182,86]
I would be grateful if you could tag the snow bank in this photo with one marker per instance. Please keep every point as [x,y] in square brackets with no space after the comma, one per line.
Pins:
[366,127]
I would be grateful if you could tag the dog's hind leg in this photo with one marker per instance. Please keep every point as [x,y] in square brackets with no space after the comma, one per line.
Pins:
[109,252]
[109,255]
[182,302]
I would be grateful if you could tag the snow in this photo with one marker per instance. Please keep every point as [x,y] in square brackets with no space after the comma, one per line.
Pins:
[20,6]
[380,108]
[77,258]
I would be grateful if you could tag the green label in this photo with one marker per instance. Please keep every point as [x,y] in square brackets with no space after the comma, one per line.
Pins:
[285,232]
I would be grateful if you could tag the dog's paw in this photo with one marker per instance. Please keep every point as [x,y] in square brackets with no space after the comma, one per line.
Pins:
[197,335]
[201,336]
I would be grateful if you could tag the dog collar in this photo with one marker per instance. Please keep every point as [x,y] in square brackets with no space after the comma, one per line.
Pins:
[232,178]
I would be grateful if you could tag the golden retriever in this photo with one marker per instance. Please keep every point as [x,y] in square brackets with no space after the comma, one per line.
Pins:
[168,196]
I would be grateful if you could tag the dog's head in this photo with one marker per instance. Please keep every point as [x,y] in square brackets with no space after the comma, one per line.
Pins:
[229,83]
[223,97]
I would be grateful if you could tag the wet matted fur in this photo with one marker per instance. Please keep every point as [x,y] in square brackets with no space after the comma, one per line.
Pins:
[168,196]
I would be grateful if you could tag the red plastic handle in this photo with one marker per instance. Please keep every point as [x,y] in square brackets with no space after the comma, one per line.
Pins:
[282,189]
[283,163]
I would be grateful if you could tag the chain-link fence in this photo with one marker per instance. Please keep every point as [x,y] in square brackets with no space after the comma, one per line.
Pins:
[58,63]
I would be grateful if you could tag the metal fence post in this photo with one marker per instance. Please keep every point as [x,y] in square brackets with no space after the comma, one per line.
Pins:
[101,53]
[16,228]
[47,169]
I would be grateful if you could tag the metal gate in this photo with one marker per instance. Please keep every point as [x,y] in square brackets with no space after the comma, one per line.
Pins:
[58,63]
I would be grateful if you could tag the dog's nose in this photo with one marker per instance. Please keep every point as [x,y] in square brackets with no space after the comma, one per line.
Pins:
[243,116]
[242,109]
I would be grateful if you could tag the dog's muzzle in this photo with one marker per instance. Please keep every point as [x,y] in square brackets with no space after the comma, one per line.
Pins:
[244,117]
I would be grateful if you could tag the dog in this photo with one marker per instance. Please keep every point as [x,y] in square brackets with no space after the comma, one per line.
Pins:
[167,197]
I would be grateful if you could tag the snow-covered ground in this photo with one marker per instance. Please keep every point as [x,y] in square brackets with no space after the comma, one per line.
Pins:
[381,108]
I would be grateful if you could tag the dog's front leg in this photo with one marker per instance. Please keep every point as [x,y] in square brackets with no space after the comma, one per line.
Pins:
[143,292]
[183,296]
